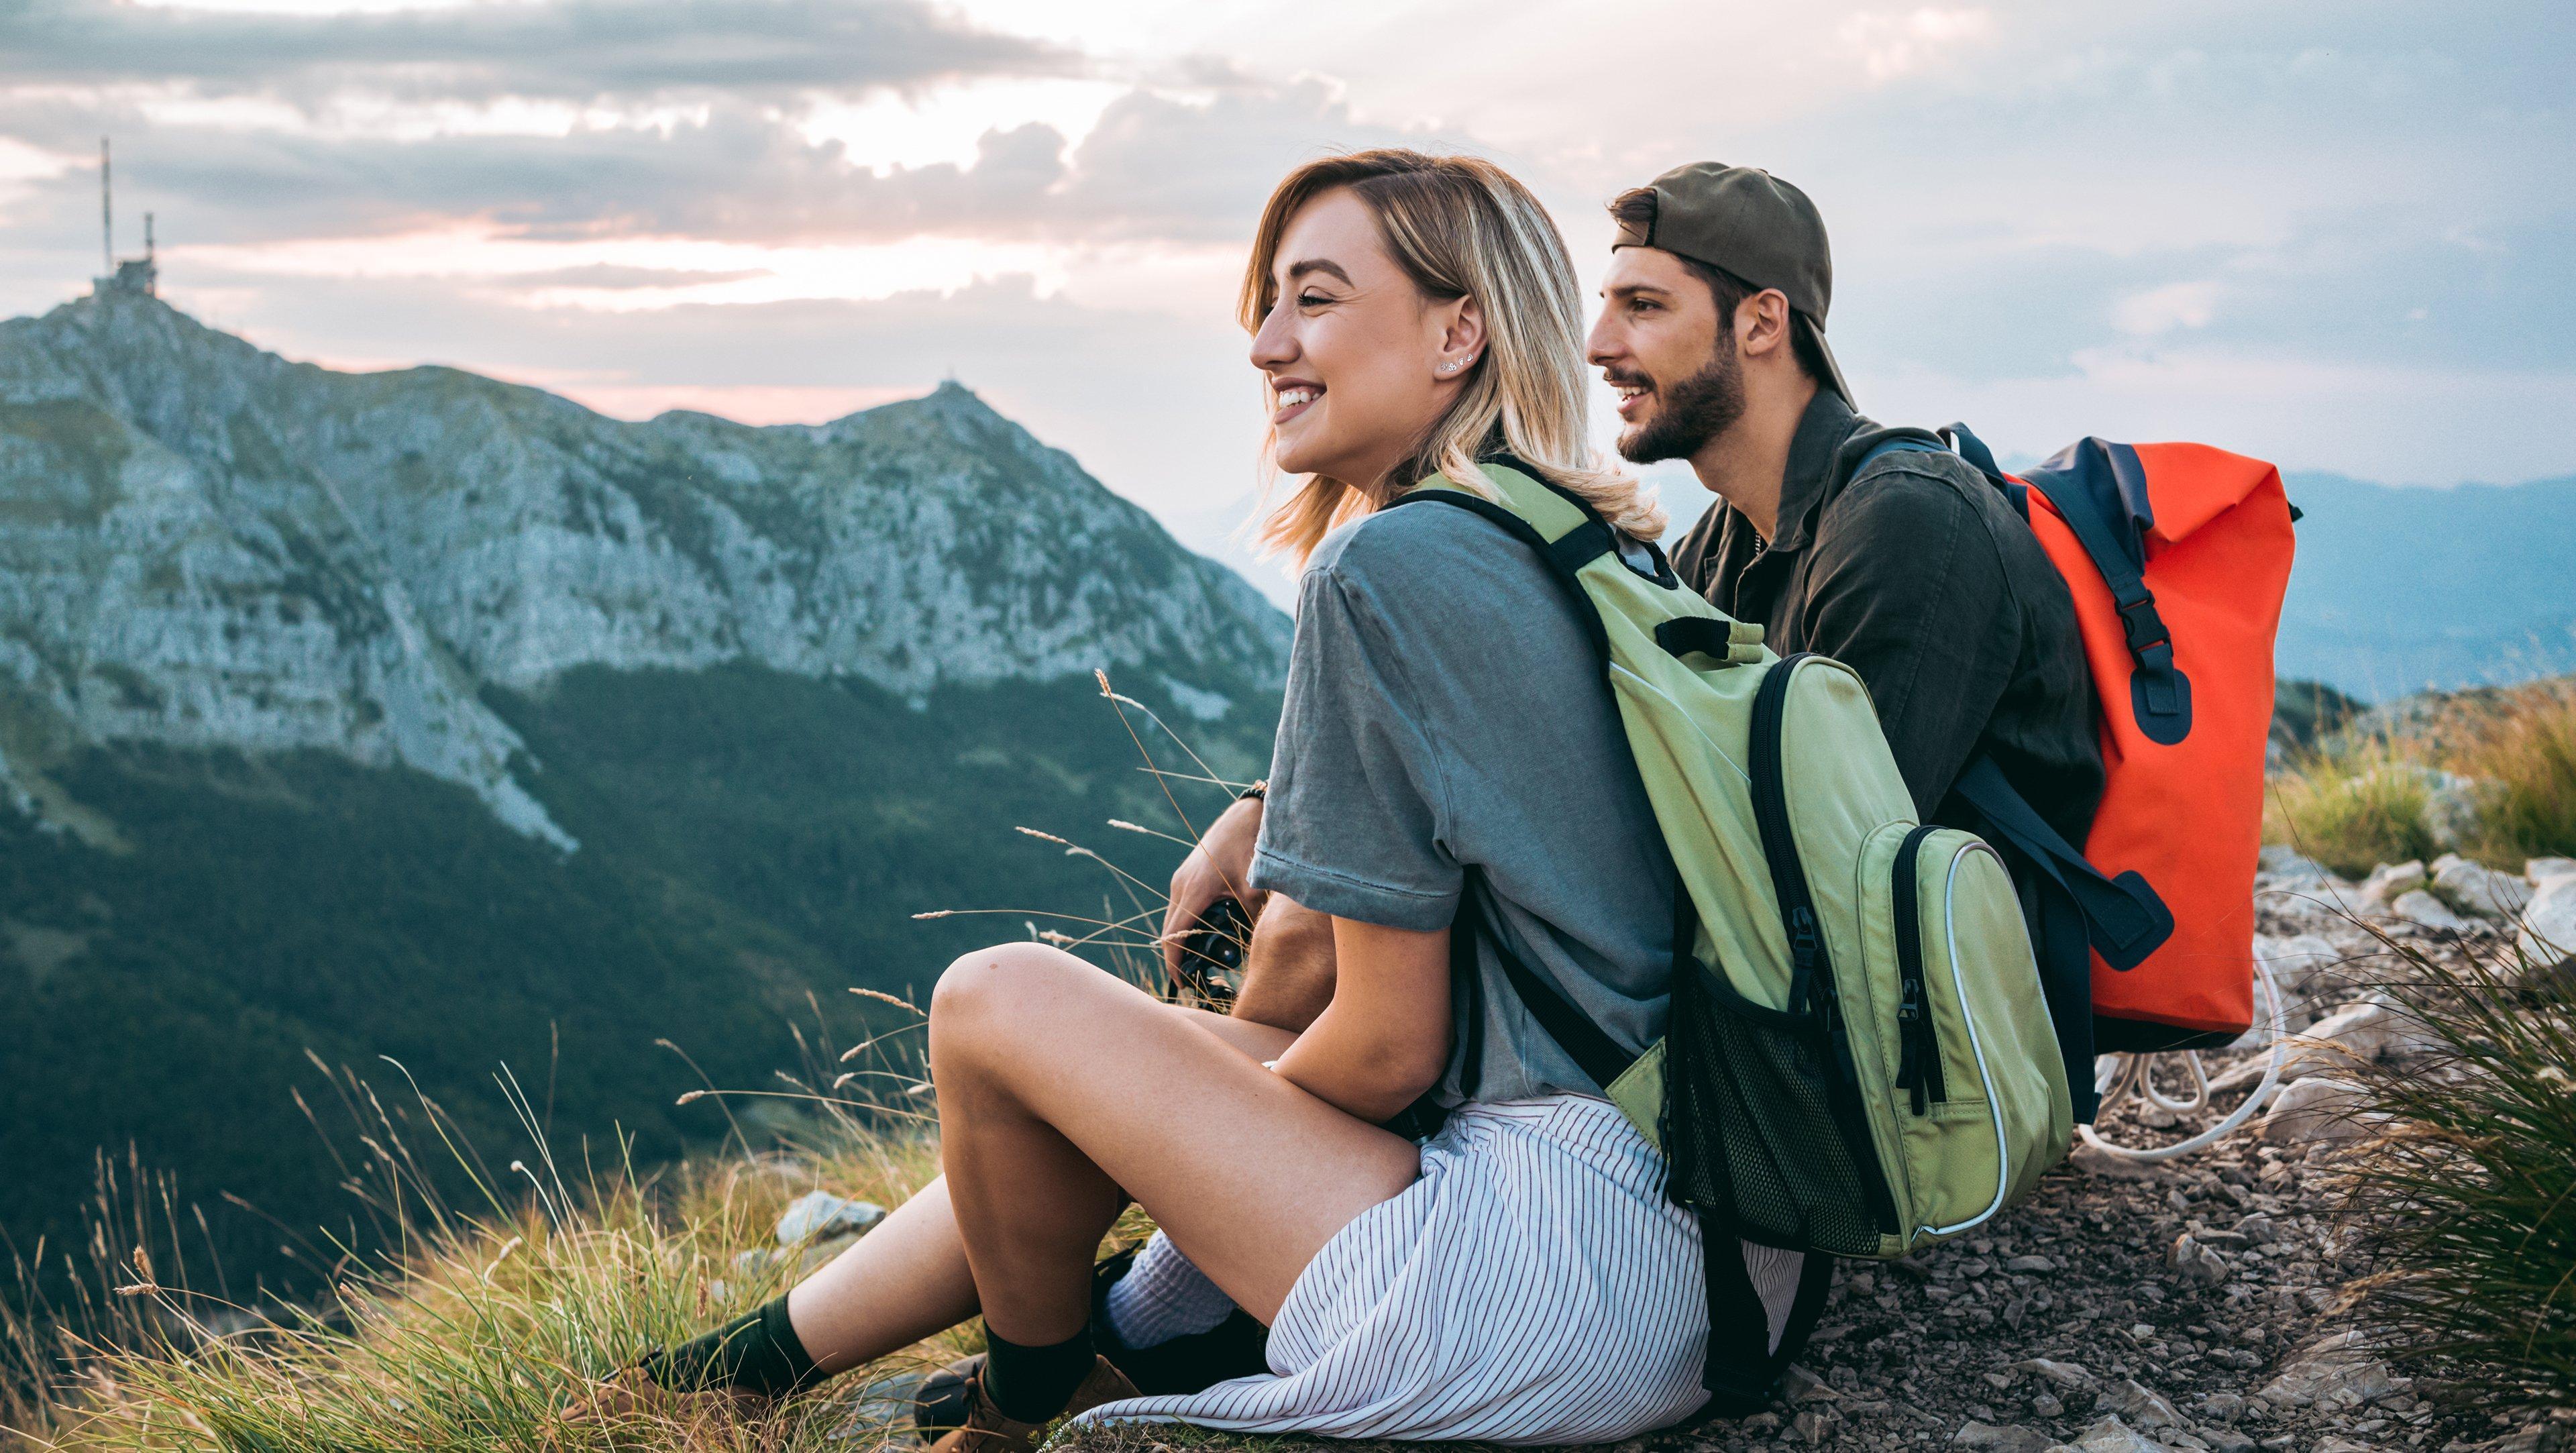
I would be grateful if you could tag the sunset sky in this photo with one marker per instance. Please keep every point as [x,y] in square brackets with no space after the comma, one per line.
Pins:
[2342,236]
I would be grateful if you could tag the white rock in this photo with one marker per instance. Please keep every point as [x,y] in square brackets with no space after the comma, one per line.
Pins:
[2113,1436]
[2195,1261]
[2338,1369]
[2541,870]
[822,1216]
[2011,1439]
[2426,911]
[2476,888]
[2297,960]
[2061,1374]
[2318,1110]
[2388,880]
[2548,935]
[2138,1404]
[2285,864]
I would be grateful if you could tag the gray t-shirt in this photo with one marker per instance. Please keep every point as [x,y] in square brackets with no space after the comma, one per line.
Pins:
[1445,710]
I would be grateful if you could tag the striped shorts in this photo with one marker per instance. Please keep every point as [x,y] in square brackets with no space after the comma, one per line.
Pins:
[1534,1286]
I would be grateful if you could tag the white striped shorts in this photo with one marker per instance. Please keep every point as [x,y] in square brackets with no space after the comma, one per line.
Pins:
[1534,1286]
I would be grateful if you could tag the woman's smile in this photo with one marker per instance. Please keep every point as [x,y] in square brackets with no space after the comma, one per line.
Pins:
[1295,397]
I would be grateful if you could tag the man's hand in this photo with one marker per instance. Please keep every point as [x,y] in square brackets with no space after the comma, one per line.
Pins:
[1219,867]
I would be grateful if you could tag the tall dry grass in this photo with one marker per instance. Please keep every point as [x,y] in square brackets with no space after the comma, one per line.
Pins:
[470,1327]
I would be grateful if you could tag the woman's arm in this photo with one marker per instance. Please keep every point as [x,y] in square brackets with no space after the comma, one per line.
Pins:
[1384,1039]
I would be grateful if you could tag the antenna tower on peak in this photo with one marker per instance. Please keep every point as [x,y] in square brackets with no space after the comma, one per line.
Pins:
[135,275]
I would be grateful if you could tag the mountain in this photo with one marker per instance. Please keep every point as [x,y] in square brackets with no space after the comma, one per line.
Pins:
[421,715]
[2398,589]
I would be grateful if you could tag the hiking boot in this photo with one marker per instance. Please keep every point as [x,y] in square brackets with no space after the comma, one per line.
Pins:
[987,1429]
[628,1395]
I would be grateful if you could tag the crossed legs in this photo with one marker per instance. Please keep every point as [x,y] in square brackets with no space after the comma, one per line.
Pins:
[1060,1086]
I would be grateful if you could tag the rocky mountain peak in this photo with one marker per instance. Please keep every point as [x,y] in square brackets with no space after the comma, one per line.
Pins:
[205,545]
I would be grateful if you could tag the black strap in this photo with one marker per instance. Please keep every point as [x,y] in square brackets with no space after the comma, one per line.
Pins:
[1583,1041]
[2124,919]
[1711,636]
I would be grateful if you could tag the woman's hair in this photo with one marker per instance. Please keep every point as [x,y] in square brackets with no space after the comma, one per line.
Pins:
[1461,227]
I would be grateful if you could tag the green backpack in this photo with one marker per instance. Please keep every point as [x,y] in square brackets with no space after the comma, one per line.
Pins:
[1859,1060]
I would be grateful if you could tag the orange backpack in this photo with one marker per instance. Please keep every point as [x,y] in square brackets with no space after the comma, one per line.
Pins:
[2177,556]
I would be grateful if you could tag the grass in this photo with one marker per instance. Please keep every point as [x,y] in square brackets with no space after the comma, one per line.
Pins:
[472,1329]
[469,1327]
[2354,803]
[2467,1203]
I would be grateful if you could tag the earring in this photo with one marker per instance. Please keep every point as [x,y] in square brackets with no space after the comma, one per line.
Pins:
[1449,368]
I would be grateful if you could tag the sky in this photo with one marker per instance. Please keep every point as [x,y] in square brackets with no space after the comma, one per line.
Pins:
[2340,236]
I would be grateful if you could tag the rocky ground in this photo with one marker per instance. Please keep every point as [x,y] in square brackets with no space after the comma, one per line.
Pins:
[2196,1304]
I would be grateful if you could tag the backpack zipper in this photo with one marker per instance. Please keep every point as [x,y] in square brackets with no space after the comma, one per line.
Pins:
[1919,1062]
[1811,970]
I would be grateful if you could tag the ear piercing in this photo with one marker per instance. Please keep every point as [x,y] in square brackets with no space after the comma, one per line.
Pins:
[1454,365]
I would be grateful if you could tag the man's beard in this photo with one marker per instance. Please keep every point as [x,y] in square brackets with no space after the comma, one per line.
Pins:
[1689,414]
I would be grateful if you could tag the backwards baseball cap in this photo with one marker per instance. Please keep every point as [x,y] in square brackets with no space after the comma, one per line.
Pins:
[1746,222]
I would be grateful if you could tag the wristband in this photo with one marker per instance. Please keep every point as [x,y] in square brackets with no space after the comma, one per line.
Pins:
[1258,792]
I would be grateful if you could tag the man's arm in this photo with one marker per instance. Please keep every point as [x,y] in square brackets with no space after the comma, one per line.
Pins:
[1908,590]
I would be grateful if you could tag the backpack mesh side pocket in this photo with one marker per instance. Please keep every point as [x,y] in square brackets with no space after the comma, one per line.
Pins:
[1750,1125]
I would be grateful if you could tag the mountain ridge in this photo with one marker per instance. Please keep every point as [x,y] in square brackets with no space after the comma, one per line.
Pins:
[370,547]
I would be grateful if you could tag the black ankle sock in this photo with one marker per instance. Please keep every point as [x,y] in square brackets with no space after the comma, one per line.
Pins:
[755,1352]
[1033,1384]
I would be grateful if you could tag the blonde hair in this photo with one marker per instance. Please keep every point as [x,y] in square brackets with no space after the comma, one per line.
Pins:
[1460,227]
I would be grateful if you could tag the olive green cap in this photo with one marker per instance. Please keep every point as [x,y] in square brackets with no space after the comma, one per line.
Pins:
[1745,221]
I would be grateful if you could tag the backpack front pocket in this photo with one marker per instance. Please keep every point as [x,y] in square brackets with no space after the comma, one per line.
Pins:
[1763,1123]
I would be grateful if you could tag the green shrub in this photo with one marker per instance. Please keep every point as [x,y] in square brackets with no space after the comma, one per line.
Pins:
[2351,809]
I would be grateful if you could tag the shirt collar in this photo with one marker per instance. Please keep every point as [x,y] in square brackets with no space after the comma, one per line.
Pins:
[1822,431]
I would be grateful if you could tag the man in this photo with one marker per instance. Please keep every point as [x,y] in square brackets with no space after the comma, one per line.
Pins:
[1912,568]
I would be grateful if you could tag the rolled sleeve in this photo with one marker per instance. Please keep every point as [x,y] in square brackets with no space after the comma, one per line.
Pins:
[1354,821]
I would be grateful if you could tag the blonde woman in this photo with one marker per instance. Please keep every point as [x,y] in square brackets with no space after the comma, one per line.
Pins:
[1449,758]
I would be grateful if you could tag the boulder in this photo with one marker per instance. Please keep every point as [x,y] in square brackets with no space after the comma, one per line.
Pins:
[2476,888]
[2548,935]
[2317,1110]
[2426,911]
[2388,880]
[820,1216]
[2541,870]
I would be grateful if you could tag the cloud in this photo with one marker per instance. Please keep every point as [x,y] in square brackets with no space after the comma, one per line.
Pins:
[2161,310]
[574,50]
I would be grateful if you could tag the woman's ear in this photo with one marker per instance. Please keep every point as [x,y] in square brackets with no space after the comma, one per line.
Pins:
[1462,339]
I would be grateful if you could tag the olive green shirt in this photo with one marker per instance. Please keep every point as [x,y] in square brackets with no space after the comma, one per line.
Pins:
[1917,573]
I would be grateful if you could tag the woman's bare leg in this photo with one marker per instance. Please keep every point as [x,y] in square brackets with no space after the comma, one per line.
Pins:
[909,1278]
[1059,1084]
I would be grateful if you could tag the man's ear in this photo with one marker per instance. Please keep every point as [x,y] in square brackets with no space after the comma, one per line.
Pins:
[1762,324]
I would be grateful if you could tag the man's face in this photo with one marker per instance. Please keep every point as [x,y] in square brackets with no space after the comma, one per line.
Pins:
[1660,342]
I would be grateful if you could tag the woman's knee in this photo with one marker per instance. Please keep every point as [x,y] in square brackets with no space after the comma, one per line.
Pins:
[990,991]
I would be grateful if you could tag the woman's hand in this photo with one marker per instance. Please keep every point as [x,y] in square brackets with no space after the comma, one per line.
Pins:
[1385,1037]
[1219,867]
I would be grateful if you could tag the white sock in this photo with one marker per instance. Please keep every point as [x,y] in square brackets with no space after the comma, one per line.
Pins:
[1163,1296]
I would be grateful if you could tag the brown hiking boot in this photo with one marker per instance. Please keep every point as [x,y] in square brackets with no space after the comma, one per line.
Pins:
[627,1396]
[988,1430]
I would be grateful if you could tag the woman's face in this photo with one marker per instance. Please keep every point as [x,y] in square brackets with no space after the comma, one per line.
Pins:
[1360,363]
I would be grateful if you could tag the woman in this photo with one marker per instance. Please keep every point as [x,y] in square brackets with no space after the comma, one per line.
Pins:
[1448,751]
